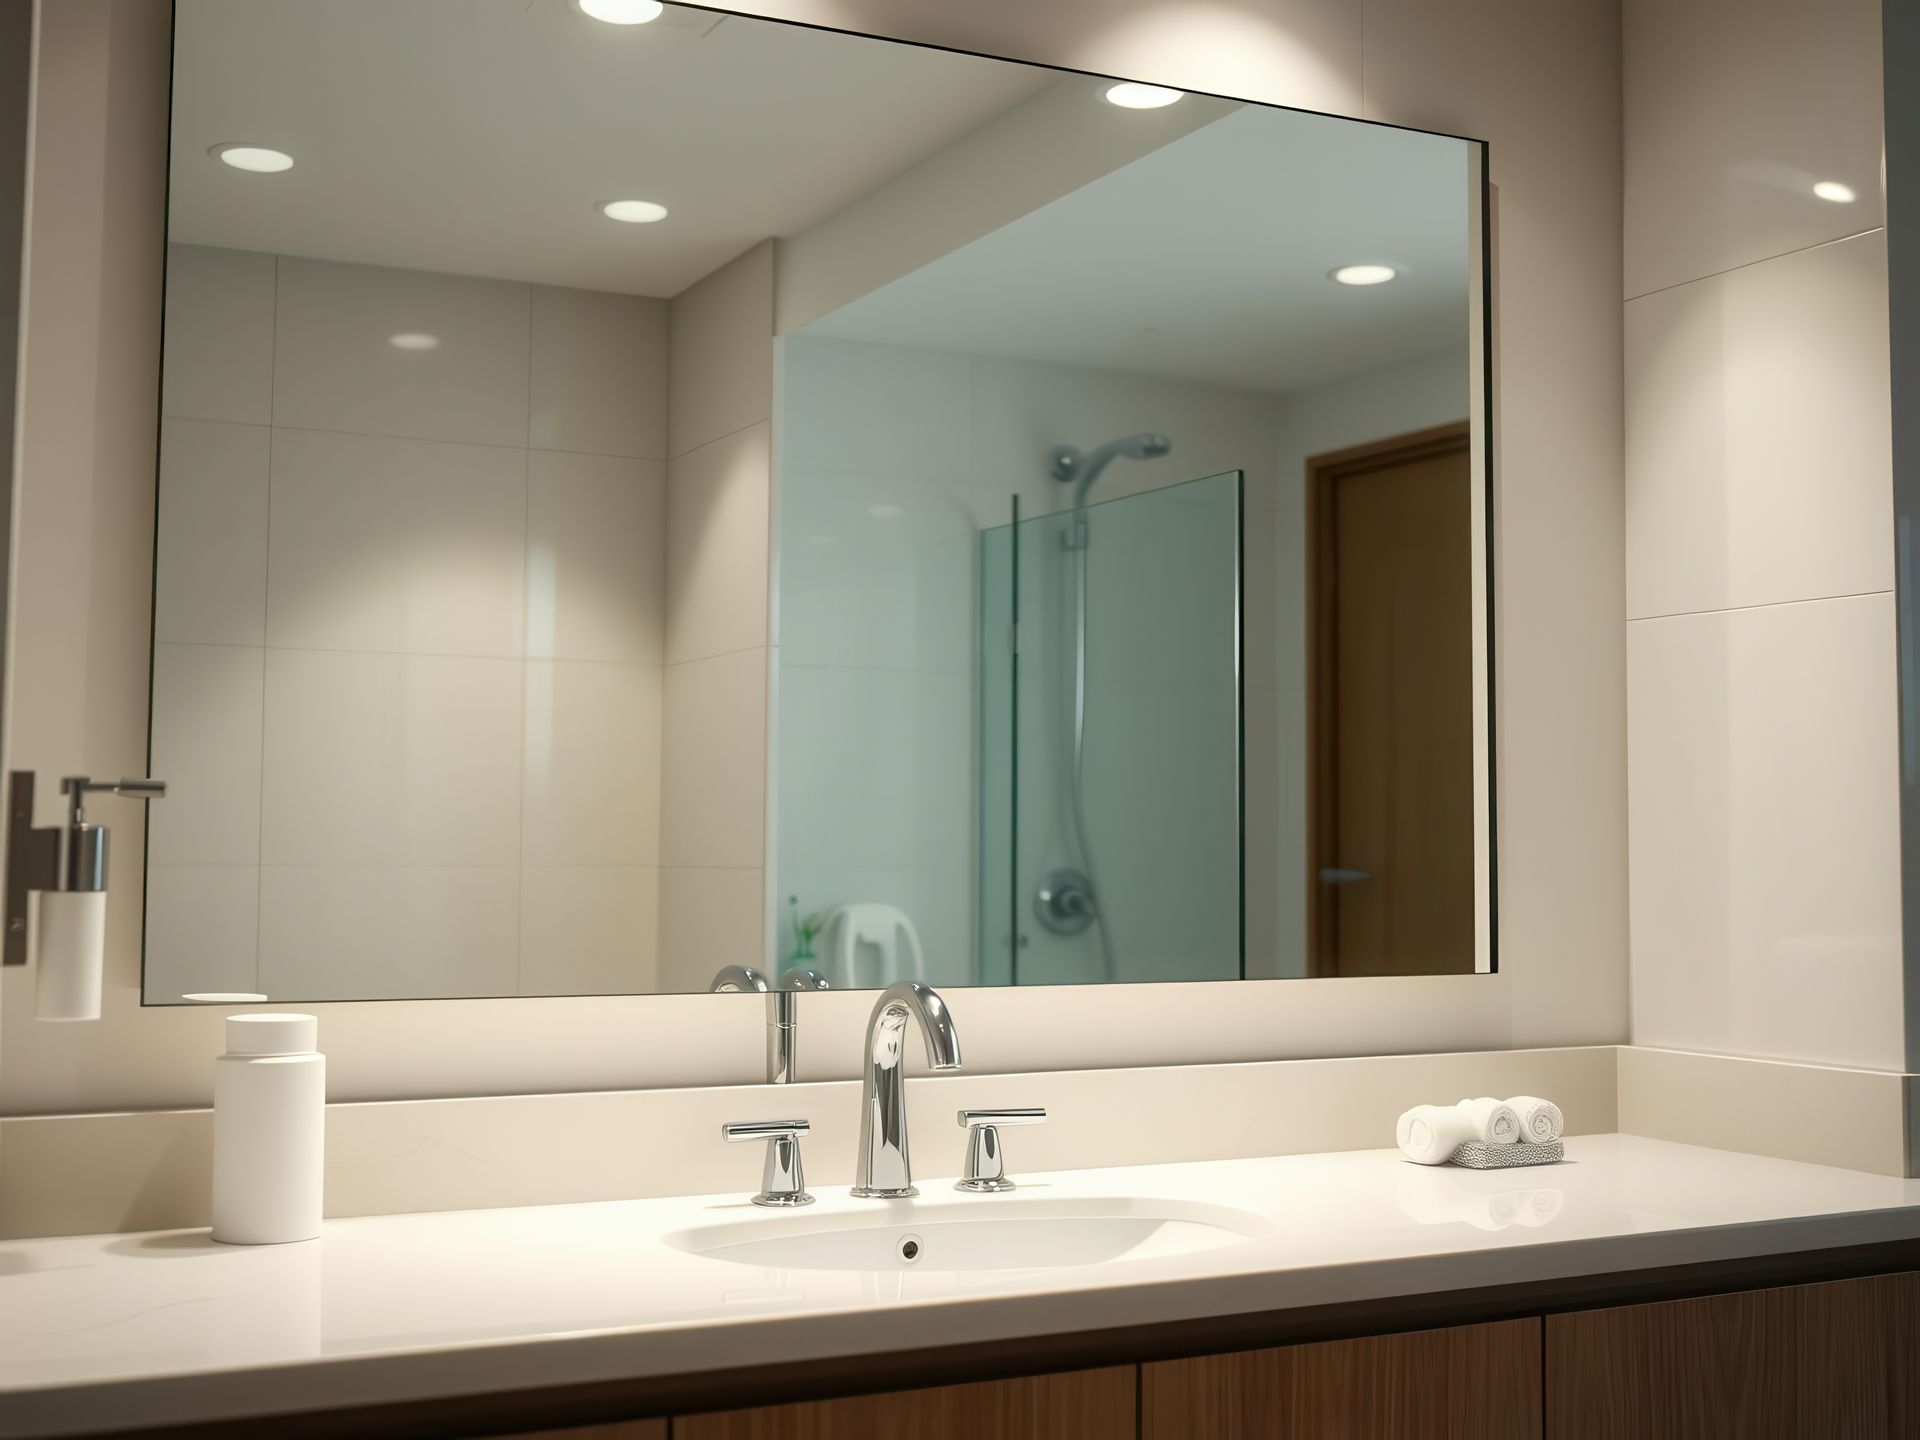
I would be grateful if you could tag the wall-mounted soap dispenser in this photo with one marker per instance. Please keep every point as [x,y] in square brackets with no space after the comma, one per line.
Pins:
[67,866]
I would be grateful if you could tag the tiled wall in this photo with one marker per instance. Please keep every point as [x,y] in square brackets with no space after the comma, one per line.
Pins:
[410,624]
[714,804]
[1764,849]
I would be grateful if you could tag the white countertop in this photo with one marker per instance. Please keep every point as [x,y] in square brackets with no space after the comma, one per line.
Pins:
[168,1328]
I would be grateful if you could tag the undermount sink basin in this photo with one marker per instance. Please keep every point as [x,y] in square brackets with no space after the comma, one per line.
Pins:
[1001,1233]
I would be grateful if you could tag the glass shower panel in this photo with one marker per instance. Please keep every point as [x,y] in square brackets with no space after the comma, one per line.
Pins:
[1111,747]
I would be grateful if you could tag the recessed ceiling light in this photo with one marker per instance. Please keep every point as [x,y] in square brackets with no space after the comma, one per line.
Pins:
[1363,274]
[1131,95]
[414,340]
[632,212]
[252,157]
[1836,192]
[621,12]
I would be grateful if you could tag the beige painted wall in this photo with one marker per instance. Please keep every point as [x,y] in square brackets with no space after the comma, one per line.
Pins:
[1541,83]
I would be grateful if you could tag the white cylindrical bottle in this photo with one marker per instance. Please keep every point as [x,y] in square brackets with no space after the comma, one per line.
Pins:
[269,1131]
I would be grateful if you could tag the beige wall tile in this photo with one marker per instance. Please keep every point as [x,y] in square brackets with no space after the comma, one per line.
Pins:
[720,376]
[334,367]
[709,918]
[1734,109]
[589,930]
[1765,853]
[338,933]
[219,335]
[599,381]
[718,523]
[596,557]
[1822,1115]
[391,759]
[211,556]
[1758,454]
[713,803]
[593,759]
[206,746]
[380,544]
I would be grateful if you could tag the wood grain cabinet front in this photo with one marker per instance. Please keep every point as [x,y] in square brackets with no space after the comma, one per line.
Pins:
[1837,1360]
[1079,1405]
[1467,1382]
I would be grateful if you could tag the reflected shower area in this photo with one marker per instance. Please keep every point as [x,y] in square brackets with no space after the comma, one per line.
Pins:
[1110,733]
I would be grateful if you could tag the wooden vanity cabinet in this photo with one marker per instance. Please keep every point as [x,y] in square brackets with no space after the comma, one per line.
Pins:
[1079,1405]
[1836,1360]
[1466,1382]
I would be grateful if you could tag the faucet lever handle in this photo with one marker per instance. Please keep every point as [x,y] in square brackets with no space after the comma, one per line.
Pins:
[783,1183]
[986,1171]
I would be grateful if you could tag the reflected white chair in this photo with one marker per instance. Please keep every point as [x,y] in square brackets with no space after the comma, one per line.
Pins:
[888,930]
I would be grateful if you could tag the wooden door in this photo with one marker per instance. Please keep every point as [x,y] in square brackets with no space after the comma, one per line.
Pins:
[1468,1382]
[1391,716]
[1839,1360]
[1081,1405]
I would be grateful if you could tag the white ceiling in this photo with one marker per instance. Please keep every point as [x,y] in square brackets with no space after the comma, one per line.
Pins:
[1207,260]
[474,136]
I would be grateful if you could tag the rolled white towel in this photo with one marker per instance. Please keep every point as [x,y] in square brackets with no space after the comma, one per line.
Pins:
[1540,1120]
[1429,1134]
[1494,1122]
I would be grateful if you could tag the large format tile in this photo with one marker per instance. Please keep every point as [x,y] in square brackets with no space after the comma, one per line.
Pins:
[589,930]
[592,764]
[383,544]
[391,760]
[202,928]
[210,555]
[721,353]
[330,933]
[599,380]
[219,335]
[336,367]
[709,918]
[1759,463]
[1764,834]
[714,758]
[596,557]
[206,746]
[1734,109]
[717,537]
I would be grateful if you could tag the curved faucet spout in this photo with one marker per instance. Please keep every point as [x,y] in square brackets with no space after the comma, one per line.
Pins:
[884,1169]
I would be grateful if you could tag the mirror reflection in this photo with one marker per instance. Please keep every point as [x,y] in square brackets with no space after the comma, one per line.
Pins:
[641,499]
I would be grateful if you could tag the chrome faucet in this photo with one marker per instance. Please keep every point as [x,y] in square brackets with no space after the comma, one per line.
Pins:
[884,1171]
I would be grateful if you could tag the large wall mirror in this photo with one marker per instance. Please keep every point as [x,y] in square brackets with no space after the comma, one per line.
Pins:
[1099,592]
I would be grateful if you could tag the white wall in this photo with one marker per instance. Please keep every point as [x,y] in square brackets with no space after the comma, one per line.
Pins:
[1760,549]
[1541,83]
[425,585]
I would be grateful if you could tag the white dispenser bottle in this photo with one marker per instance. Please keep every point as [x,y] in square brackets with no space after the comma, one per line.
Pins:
[269,1130]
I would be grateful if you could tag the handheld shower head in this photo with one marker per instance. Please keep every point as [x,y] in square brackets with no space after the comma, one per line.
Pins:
[1082,468]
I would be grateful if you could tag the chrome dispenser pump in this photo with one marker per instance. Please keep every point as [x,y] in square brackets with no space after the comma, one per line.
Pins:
[70,859]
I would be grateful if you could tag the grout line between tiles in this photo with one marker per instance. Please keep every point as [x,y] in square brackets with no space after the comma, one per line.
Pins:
[1763,605]
[1749,264]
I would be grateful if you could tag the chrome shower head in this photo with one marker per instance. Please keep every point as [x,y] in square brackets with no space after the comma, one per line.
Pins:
[1082,468]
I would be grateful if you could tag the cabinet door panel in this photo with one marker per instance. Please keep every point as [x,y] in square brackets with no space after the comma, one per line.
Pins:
[1836,1360]
[1468,1382]
[1082,1405]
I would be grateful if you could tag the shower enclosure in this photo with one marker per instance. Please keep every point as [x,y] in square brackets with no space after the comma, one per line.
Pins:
[1110,733]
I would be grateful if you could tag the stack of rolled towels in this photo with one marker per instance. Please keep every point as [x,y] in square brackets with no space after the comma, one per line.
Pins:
[1430,1134]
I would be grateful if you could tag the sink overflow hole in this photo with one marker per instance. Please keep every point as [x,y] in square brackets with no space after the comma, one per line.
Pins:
[909,1248]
